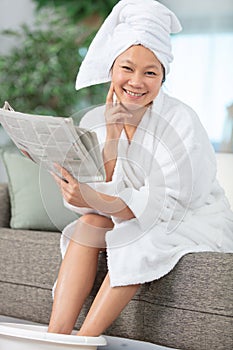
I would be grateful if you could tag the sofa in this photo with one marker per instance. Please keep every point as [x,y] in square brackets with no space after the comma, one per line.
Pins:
[191,308]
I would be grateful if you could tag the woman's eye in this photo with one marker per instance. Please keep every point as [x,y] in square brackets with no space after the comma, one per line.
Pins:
[127,68]
[150,73]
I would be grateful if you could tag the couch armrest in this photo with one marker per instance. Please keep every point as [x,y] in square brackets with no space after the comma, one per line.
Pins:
[4,206]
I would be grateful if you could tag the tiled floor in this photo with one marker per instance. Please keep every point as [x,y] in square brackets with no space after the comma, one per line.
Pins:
[114,343]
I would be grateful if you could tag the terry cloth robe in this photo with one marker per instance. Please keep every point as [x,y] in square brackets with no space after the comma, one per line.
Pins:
[167,176]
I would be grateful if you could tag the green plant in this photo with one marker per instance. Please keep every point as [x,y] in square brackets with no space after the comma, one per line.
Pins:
[38,76]
[79,9]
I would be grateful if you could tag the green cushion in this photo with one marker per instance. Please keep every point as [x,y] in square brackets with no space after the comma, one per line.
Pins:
[36,201]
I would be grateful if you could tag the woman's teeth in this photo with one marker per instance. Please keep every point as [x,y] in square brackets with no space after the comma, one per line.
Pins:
[133,93]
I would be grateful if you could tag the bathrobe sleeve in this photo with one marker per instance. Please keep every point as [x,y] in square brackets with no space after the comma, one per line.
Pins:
[182,171]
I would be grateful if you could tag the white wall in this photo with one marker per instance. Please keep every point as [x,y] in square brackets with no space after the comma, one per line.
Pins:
[225,174]
[203,15]
[13,13]
[189,8]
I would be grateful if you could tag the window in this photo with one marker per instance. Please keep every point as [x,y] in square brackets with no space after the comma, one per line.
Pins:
[202,76]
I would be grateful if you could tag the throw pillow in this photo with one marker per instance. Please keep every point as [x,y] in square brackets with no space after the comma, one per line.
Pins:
[36,201]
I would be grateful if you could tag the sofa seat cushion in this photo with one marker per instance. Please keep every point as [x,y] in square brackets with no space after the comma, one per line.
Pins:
[192,307]
[201,281]
[189,308]
[29,257]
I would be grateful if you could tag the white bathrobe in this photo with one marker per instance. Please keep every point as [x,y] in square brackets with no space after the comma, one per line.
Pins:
[167,177]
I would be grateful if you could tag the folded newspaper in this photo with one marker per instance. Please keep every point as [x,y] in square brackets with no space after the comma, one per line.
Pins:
[49,140]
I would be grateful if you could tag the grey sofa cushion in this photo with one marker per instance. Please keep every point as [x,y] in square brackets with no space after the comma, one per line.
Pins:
[191,308]
[29,257]
[193,305]
[29,263]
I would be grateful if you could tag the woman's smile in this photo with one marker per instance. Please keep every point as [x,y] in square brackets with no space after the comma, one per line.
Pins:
[137,76]
[133,94]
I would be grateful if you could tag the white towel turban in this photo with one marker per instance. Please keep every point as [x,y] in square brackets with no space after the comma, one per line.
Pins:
[131,22]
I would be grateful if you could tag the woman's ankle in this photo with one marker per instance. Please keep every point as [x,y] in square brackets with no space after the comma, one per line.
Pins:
[59,329]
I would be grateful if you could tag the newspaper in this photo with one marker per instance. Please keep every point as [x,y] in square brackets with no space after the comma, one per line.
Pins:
[48,140]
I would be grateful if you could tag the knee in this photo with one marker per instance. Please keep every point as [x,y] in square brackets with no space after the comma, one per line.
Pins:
[91,229]
[96,220]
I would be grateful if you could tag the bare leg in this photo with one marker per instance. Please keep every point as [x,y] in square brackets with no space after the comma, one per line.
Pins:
[76,276]
[107,306]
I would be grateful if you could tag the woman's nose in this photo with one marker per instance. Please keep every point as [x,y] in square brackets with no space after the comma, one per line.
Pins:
[136,80]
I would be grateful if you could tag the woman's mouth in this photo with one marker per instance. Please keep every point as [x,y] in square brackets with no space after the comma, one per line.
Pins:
[134,94]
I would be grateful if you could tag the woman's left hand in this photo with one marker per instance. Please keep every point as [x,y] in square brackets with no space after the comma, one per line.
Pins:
[72,190]
[82,195]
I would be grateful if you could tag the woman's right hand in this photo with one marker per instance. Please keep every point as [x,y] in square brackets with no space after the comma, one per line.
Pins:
[116,115]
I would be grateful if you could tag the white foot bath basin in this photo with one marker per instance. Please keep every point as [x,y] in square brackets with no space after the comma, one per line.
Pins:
[15,336]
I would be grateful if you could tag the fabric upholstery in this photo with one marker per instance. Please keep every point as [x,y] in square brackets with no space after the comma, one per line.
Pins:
[33,194]
[4,206]
[191,308]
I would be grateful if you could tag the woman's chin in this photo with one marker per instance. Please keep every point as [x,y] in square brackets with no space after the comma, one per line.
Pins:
[132,106]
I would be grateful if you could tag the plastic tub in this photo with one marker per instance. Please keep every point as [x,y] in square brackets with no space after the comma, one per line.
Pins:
[14,336]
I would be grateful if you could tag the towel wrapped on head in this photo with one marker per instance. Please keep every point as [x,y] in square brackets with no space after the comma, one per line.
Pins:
[131,22]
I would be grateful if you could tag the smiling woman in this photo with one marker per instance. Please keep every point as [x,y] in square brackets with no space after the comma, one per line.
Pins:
[137,76]
[161,199]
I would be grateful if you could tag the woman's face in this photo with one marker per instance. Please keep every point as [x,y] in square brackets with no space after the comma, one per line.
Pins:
[137,76]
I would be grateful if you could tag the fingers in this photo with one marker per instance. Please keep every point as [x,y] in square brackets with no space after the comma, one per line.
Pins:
[26,154]
[58,180]
[117,112]
[65,175]
[109,98]
[119,118]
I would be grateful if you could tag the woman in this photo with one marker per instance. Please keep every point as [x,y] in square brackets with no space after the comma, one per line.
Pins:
[161,199]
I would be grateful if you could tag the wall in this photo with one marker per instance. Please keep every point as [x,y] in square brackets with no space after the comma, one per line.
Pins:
[203,16]
[12,14]
[225,174]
